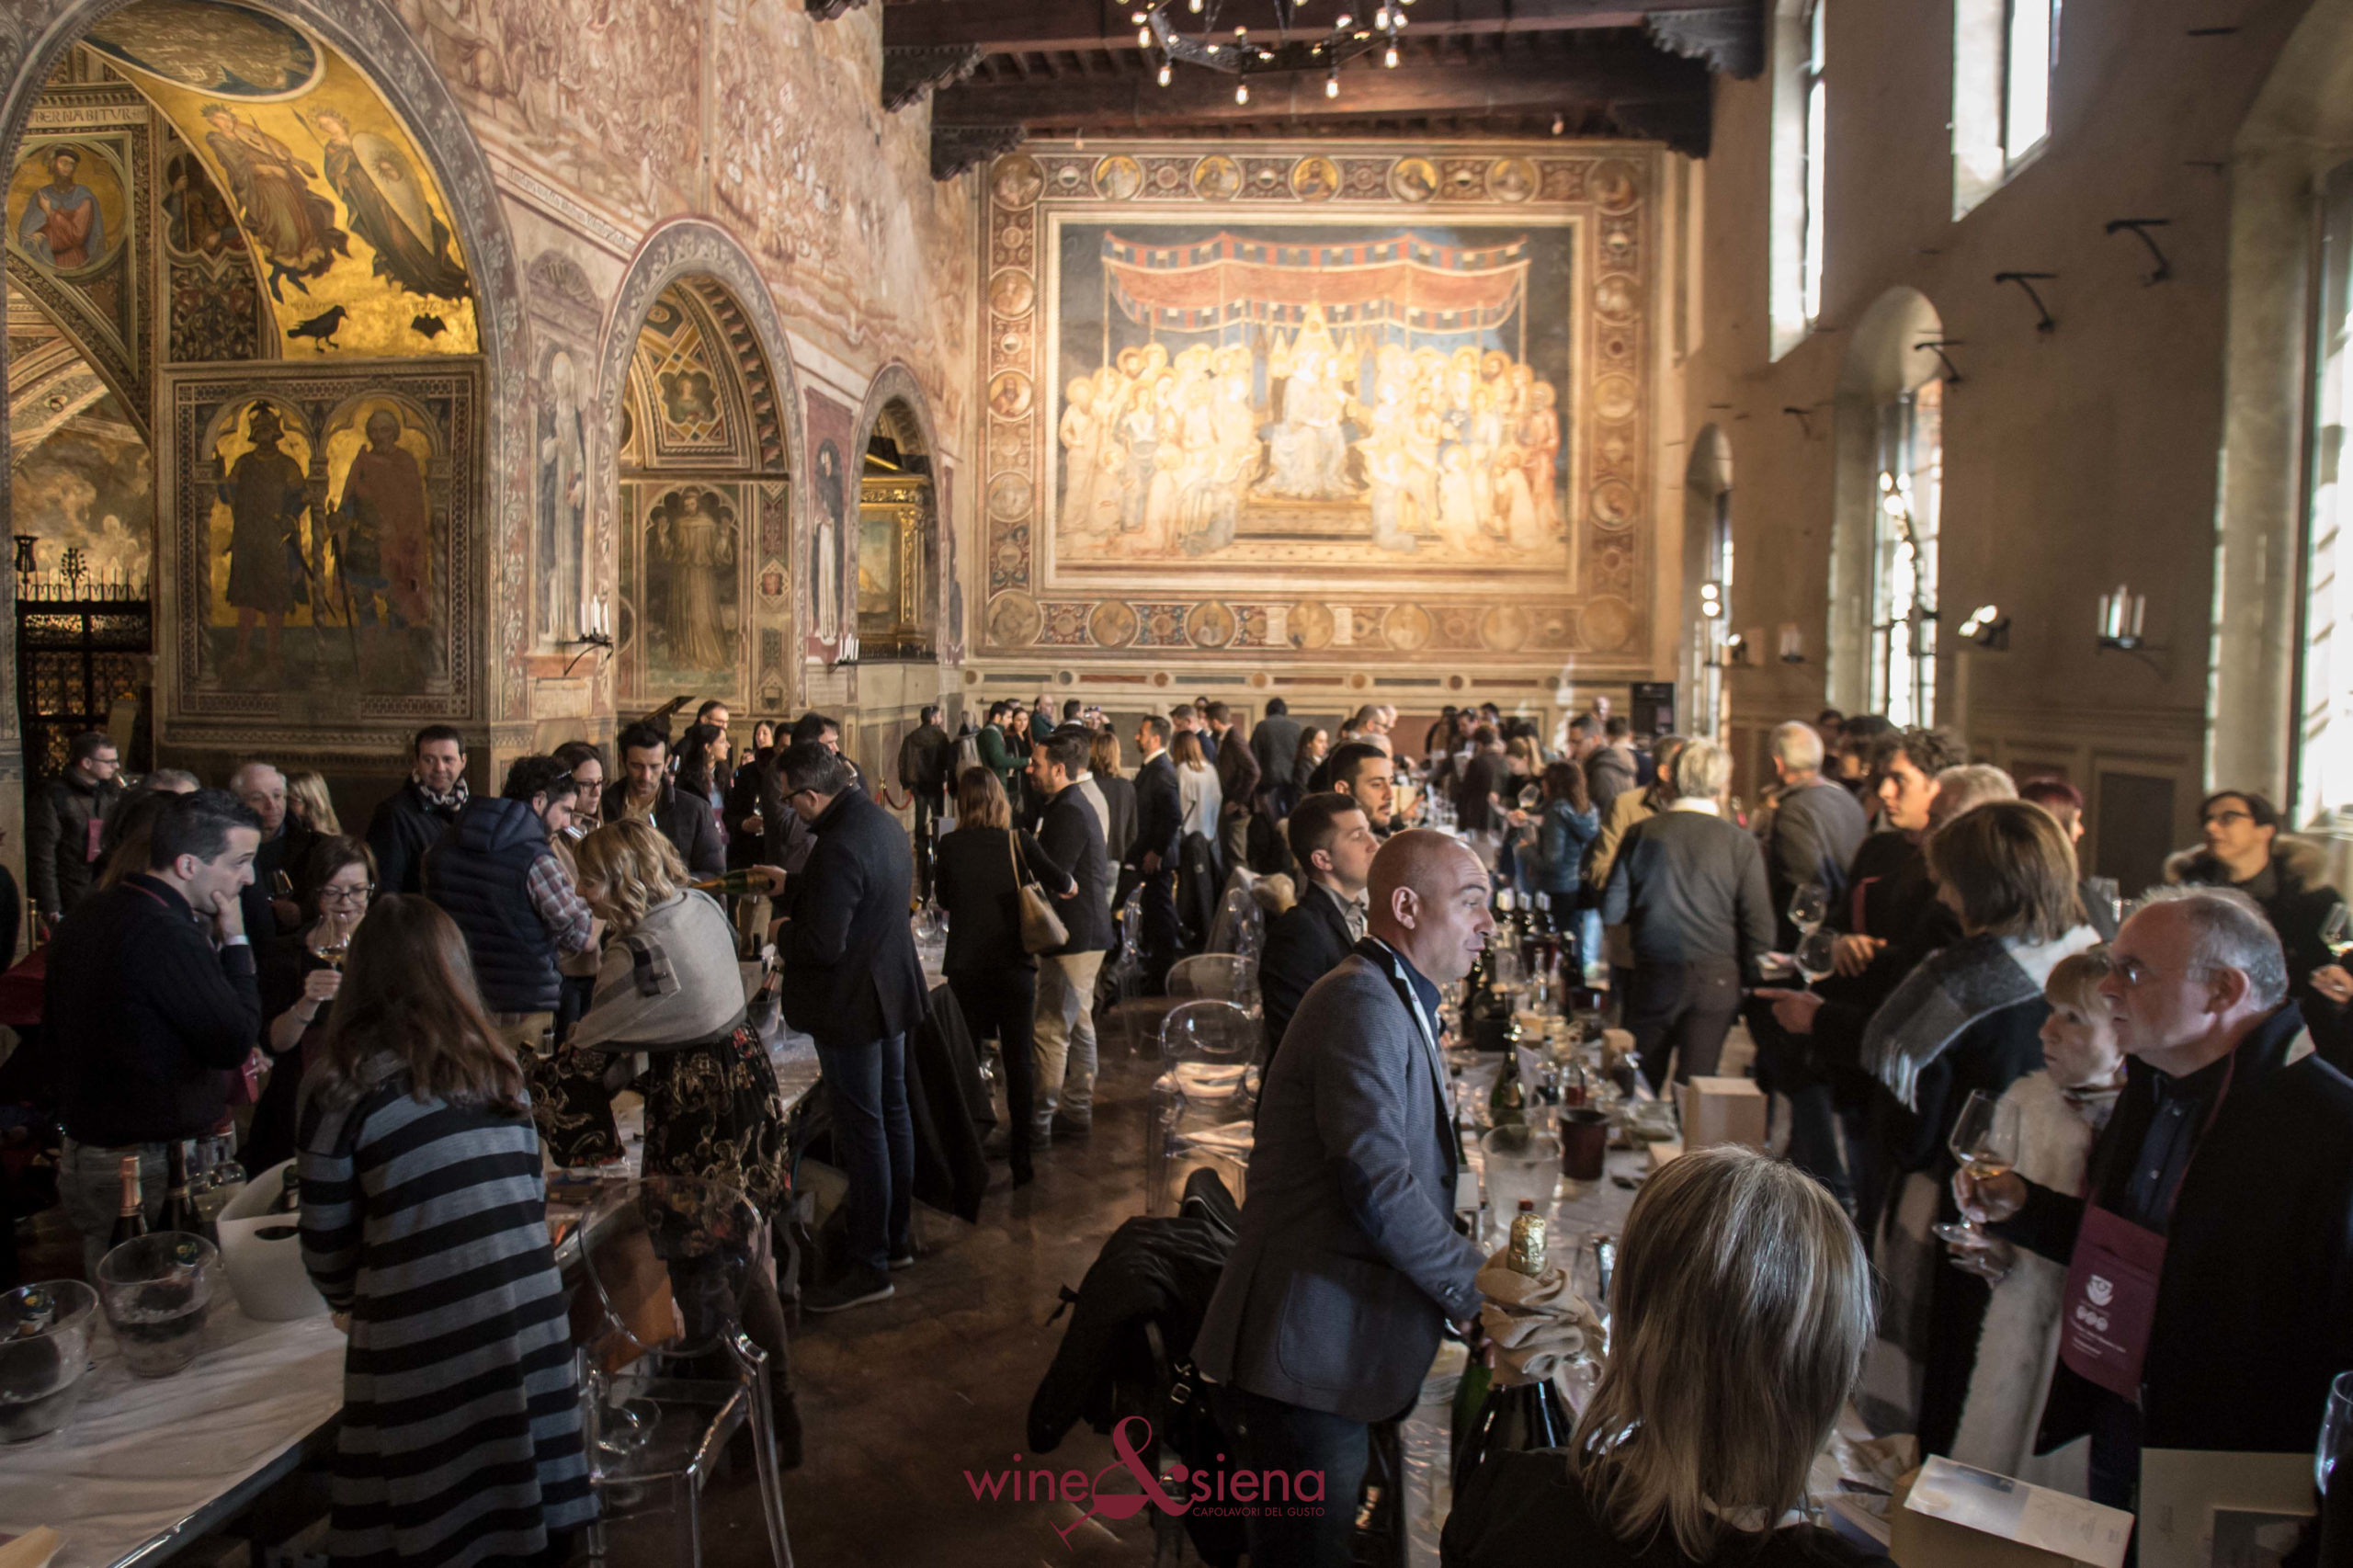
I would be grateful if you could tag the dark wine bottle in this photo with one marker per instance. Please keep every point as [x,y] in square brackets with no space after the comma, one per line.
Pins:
[1508,1101]
[289,1197]
[1516,1416]
[130,1221]
[179,1212]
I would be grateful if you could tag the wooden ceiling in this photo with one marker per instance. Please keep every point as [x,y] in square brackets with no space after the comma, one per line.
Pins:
[1000,71]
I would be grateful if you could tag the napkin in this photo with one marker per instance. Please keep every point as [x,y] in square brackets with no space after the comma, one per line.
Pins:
[1536,1323]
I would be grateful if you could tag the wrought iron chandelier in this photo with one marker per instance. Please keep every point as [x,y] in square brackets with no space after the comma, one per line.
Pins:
[1348,36]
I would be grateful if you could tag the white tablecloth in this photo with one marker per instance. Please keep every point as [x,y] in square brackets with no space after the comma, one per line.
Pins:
[141,1454]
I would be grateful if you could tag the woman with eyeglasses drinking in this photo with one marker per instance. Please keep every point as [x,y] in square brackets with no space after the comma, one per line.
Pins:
[300,974]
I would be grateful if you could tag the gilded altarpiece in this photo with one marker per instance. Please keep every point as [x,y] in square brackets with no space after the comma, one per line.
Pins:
[1322,401]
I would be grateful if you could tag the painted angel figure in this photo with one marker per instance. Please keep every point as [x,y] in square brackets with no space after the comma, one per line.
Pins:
[389,209]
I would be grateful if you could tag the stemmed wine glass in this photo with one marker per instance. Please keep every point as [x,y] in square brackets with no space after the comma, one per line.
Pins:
[1531,796]
[2336,1425]
[1985,1141]
[2337,932]
[1817,957]
[1809,907]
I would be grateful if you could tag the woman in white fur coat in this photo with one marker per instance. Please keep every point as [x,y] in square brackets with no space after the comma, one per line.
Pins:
[2061,1110]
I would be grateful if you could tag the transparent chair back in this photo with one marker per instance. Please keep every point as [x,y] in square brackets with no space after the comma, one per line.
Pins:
[1222,977]
[1204,1100]
[1239,927]
[667,1258]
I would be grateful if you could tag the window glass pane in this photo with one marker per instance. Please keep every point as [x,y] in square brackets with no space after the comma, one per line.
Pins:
[1904,559]
[1817,99]
[2325,771]
[2026,117]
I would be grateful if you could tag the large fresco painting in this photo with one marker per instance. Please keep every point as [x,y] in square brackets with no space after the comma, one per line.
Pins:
[351,235]
[87,487]
[682,580]
[75,227]
[1343,395]
[318,524]
[1321,401]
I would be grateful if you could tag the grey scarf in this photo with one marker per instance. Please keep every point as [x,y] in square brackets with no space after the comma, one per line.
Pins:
[1949,990]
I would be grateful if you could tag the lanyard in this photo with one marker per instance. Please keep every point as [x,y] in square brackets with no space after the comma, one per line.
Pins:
[1413,998]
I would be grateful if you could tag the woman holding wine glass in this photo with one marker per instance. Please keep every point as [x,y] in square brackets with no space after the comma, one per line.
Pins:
[300,974]
[1967,1020]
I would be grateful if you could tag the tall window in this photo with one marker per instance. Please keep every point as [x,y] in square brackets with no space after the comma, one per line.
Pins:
[1814,82]
[2003,54]
[1903,556]
[2324,758]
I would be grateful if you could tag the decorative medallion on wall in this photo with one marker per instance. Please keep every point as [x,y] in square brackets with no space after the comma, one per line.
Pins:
[1318,399]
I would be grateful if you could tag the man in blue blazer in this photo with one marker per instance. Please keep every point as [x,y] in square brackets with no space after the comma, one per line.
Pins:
[1349,1265]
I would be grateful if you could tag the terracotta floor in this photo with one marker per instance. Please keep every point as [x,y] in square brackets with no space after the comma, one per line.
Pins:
[902,1398]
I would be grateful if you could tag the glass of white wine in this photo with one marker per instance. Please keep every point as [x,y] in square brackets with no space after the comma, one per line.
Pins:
[1816,958]
[1809,907]
[1985,1141]
[2337,932]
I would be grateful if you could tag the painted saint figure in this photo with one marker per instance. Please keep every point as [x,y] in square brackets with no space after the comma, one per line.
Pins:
[384,507]
[563,501]
[293,224]
[388,209]
[61,226]
[698,551]
[266,495]
[825,580]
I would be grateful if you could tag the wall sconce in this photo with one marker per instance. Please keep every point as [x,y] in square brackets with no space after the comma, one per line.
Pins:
[1792,644]
[2121,616]
[1736,652]
[1988,627]
[597,633]
[1711,602]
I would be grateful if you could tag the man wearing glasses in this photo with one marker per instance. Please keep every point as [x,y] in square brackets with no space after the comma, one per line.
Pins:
[2210,1291]
[2247,848]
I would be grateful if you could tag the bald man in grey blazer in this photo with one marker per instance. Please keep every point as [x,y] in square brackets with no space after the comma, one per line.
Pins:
[1349,1266]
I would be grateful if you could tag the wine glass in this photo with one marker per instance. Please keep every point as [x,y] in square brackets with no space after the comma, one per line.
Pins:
[333,951]
[2335,1427]
[281,885]
[1985,1141]
[2337,932]
[1531,797]
[1809,907]
[1816,958]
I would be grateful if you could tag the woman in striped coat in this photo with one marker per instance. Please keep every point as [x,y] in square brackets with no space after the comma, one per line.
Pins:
[424,1218]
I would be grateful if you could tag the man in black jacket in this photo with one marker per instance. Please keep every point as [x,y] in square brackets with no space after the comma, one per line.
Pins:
[2227,1166]
[644,791]
[497,874]
[1334,845]
[1160,828]
[927,765]
[286,845]
[1072,836]
[67,820]
[150,1002]
[1274,741]
[411,820]
[851,981]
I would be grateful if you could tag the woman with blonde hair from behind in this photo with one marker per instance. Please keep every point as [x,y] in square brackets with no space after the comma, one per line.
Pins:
[1743,1305]
[313,806]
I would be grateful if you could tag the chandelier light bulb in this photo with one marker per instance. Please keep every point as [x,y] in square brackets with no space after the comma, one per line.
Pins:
[1164,73]
[1136,18]
[1241,91]
[1381,18]
[1331,84]
[1143,38]
[1390,57]
[1560,123]
[1341,23]
[1194,7]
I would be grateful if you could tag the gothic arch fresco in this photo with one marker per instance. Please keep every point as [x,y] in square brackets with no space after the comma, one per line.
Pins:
[706,260]
[36,34]
[894,407]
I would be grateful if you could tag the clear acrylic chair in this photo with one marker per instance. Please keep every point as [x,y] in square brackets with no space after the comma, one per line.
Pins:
[667,1257]
[1239,927]
[1204,1100]
[1120,991]
[1222,977]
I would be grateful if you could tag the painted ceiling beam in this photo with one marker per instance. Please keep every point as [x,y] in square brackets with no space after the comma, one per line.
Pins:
[1045,26]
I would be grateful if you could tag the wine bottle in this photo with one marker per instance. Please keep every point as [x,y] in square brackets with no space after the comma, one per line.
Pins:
[1508,1101]
[130,1221]
[1516,1416]
[289,1197]
[179,1212]
[740,883]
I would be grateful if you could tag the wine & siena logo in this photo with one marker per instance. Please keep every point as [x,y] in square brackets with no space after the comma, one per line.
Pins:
[1186,1490]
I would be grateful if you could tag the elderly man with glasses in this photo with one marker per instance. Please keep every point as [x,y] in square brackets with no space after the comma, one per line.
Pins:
[2210,1291]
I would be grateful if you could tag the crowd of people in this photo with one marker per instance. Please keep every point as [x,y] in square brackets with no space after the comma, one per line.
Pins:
[1903,934]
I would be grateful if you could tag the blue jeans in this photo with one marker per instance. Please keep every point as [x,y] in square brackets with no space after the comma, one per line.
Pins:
[875,1139]
[1267,1435]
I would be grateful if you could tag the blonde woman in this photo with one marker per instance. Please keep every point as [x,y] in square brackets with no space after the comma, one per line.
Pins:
[670,987]
[1743,1305]
[308,801]
[1199,794]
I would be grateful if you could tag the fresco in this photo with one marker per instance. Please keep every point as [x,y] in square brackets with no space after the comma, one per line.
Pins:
[350,236]
[74,236]
[563,565]
[66,207]
[1320,400]
[683,579]
[319,516]
[90,486]
[1285,394]
[214,302]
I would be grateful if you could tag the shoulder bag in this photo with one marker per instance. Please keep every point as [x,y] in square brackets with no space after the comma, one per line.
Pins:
[1041,930]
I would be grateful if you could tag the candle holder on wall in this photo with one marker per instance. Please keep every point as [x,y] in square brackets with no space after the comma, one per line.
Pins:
[2122,616]
[598,634]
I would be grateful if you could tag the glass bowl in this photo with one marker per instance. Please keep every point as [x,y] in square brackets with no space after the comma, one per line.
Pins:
[44,1356]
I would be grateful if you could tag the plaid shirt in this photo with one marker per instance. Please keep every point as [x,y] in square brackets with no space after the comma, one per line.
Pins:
[564,912]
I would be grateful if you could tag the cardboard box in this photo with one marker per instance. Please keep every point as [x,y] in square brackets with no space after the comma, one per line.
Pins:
[1951,1516]
[2193,1498]
[1721,1110]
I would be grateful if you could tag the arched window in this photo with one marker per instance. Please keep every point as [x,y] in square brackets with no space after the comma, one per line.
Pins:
[2325,770]
[1904,555]
[1707,552]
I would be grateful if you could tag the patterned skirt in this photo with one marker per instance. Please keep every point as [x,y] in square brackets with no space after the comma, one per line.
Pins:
[714,1112]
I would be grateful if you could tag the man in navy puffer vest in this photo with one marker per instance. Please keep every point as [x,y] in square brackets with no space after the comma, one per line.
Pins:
[497,872]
